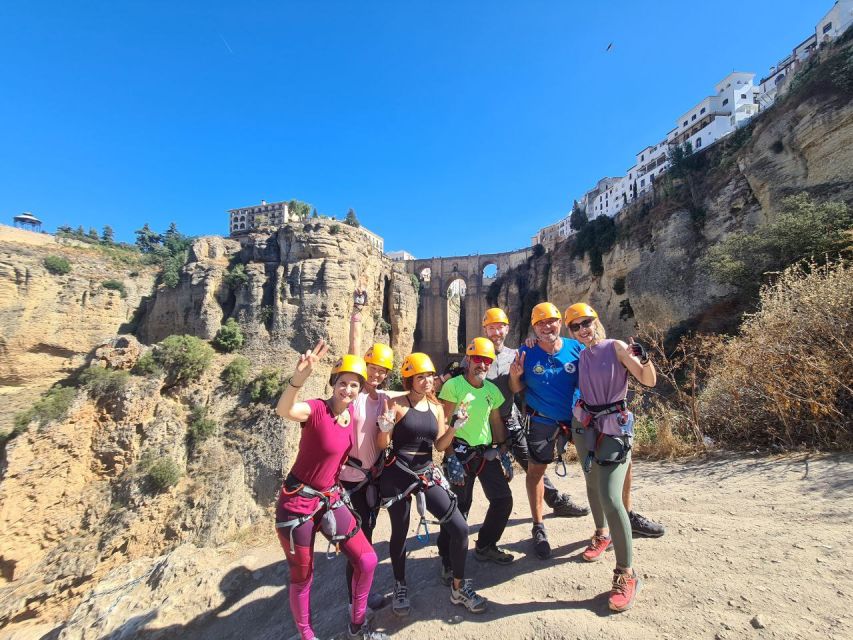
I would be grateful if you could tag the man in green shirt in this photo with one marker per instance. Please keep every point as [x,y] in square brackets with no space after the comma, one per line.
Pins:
[475,452]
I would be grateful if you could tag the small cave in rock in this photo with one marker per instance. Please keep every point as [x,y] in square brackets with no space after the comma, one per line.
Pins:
[626,312]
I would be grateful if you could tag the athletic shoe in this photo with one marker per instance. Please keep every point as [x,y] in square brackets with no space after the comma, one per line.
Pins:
[493,554]
[642,526]
[565,507]
[446,576]
[364,632]
[597,546]
[540,542]
[401,605]
[468,598]
[625,588]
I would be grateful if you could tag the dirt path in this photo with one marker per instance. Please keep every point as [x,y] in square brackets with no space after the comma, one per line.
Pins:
[746,537]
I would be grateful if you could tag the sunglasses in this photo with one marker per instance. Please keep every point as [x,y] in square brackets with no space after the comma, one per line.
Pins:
[480,360]
[583,324]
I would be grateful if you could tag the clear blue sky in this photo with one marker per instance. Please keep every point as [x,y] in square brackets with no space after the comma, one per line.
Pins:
[450,127]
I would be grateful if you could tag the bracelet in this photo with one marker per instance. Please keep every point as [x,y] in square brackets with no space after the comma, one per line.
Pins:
[295,386]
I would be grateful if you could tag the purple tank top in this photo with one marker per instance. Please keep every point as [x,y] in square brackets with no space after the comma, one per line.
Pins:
[603,379]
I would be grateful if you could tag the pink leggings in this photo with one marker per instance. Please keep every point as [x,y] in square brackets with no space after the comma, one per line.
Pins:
[300,558]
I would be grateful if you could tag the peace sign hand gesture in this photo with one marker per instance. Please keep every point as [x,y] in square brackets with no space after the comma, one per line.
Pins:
[308,359]
[516,369]
[386,418]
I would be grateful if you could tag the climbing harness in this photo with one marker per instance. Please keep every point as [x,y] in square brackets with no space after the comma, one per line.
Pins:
[424,477]
[327,501]
[562,435]
[605,421]
[370,480]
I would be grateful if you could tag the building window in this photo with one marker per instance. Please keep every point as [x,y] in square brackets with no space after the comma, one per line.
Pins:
[725,102]
[642,157]
[685,123]
[743,96]
[698,142]
[827,28]
[702,111]
[643,182]
[693,118]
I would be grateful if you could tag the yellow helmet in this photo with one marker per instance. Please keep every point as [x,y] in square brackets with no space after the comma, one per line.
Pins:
[544,311]
[349,364]
[381,355]
[416,363]
[482,347]
[495,315]
[579,310]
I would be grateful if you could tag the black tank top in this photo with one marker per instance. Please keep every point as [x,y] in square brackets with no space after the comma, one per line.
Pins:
[414,436]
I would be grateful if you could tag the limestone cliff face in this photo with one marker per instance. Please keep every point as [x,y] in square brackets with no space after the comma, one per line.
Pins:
[653,274]
[48,323]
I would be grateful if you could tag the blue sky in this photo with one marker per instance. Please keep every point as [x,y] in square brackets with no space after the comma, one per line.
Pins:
[450,127]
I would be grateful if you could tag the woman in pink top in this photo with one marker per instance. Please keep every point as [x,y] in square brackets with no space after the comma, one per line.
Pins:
[360,476]
[311,499]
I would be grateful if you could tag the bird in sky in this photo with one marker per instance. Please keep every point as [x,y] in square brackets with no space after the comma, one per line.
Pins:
[609,47]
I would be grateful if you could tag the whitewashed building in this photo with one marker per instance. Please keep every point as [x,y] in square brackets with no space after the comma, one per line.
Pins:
[835,22]
[400,256]
[245,219]
[374,239]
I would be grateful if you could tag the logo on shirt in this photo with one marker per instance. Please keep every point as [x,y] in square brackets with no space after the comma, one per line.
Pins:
[569,367]
[538,369]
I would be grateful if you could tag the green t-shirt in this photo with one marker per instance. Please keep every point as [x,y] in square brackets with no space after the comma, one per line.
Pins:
[477,430]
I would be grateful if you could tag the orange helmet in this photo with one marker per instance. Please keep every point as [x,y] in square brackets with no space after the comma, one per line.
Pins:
[381,355]
[544,311]
[349,364]
[482,347]
[579,310]
[495,314]
[416,363]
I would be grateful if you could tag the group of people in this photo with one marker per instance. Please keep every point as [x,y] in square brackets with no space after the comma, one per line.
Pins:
[362,451]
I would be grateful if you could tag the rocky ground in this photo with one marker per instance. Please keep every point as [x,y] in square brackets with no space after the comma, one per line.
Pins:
[755,548]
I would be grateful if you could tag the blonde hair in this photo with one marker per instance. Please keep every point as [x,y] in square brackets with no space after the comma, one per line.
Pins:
[598,332]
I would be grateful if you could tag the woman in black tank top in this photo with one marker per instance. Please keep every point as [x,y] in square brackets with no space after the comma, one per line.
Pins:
[414,425]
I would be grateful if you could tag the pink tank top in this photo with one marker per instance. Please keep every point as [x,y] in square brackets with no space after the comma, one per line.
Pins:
[323,447]
[603,379]
[364,449]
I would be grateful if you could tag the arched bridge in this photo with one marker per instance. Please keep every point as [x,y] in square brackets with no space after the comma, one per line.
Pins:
[434,333]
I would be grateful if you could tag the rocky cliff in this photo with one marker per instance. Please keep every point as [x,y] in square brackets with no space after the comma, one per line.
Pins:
[653,273]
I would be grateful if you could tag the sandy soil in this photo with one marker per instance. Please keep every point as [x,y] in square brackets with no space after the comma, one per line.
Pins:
[756,548]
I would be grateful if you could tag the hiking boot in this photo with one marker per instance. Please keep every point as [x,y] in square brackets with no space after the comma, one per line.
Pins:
[642,526]
[446,576]
[401,605]
[565,507]
[625,588]
[540,542]
[364,632]
[597,546]
[493,554]
[467,597]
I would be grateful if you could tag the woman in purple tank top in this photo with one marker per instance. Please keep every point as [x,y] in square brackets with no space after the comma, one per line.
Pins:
[603,433]
[311,498]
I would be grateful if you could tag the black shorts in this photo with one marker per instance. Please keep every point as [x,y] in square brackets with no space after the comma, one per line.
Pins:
[542,440]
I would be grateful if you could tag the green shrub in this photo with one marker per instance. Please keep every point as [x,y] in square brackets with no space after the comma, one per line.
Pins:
[54,405]
[394,381]
[596,238]
[266,387]
[237,276]
[103,382]
[147,365]
[183,357]
[266,313]
[235,375]
[229,337]
[115,285]
[334,229]
[804,229]
[57,265]
[200,427]
[163,474]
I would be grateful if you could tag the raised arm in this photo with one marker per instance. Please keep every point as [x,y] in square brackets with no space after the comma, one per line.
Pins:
[635,359]
[288,406]
[516,372]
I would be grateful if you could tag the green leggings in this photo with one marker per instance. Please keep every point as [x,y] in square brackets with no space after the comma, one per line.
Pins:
[604,492]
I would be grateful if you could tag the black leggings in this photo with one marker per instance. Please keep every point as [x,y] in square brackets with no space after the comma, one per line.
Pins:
[518,448]
[368,521]
[499,495]
[393,481]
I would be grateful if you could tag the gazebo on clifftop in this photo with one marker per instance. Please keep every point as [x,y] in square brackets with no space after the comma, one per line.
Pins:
[27,220]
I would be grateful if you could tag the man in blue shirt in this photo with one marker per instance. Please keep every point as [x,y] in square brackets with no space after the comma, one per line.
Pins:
[548,374]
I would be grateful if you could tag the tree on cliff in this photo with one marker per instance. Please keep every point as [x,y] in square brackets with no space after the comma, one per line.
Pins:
[147,240]
[299,209]
[314,213]
[351,219]
[578,218]
[93,234]
[108,235]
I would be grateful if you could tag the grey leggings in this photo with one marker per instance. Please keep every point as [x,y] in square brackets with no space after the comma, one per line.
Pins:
[604,492]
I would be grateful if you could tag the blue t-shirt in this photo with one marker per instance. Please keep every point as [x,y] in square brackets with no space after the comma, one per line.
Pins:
[552,379]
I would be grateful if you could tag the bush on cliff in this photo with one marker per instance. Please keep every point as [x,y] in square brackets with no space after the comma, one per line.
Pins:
[200,427]
[596,238]
[163,474]
[54,405]
[115,285]
[785,380]
[103,382]
[236,276]
[57,265]
[266,387]
[183,358]
[235,375]
[229,337]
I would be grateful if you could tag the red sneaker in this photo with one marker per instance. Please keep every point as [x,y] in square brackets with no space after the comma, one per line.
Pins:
[625,588]
[597,546]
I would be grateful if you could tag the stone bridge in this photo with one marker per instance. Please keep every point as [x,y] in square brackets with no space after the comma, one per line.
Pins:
[433,334]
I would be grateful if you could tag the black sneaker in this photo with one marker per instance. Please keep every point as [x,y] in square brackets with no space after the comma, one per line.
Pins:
[540,542]
[364,632]
[642,526]
[565,507]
